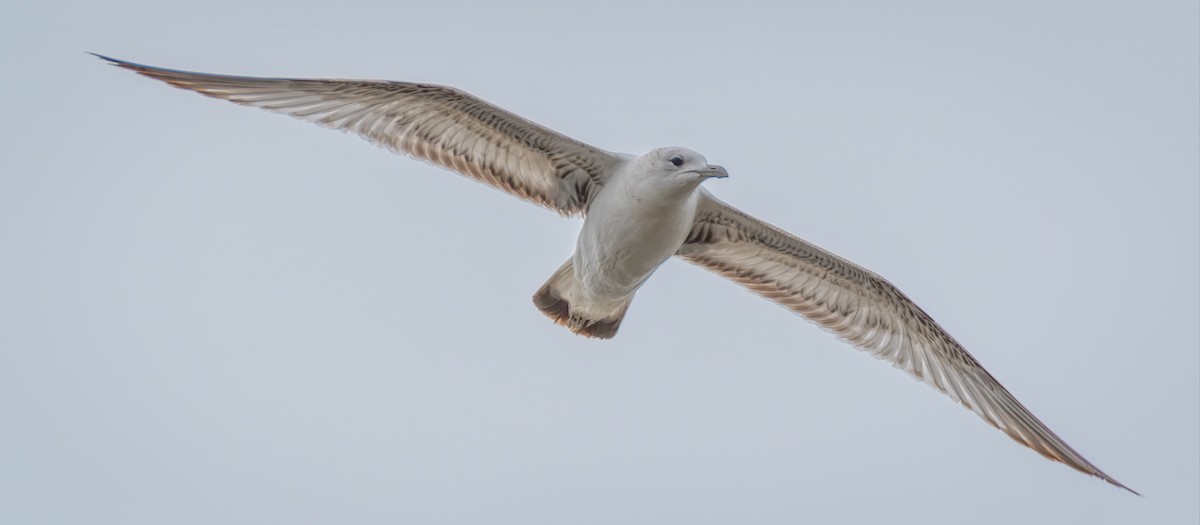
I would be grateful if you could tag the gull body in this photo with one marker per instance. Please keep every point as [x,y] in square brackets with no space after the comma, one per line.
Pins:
[634,224]
[638,212]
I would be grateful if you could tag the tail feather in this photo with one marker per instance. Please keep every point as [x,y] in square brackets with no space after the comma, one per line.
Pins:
[561,300]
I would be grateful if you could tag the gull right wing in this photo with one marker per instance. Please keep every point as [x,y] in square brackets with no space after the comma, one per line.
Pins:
[437,124]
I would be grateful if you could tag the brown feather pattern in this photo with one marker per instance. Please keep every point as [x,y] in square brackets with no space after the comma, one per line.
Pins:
[437,124]
[866,311]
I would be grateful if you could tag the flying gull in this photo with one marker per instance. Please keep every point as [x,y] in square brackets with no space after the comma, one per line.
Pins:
[639,211]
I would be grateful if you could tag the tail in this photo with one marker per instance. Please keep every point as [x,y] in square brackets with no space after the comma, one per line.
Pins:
[562,300]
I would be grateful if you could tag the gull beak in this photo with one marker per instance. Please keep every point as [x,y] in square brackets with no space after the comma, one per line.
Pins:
[713,172]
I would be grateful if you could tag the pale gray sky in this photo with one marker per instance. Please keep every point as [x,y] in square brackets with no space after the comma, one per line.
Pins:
[212,314]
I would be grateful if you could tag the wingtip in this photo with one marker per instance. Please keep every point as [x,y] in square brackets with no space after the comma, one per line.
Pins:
[1119,484]
[110,60]
[1108,479]
[133,66]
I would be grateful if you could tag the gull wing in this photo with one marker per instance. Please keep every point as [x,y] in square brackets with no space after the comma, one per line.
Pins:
[437,124]
[866,311]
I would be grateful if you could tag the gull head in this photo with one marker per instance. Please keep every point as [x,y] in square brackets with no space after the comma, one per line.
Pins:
[678,167]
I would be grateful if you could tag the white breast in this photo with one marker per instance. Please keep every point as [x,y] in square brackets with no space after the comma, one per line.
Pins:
[631,228]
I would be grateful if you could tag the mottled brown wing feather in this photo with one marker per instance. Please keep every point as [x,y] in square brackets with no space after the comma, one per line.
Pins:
[437,124]
[866,311]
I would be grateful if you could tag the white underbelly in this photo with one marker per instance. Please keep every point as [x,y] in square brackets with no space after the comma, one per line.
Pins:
[619,248]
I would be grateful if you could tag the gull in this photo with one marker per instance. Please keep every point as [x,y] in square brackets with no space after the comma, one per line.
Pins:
[638,212]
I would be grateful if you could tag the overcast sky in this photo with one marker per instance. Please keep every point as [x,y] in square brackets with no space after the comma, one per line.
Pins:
[212,314]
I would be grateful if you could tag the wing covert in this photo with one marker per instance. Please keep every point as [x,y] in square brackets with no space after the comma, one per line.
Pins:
[437,124]
[866,311]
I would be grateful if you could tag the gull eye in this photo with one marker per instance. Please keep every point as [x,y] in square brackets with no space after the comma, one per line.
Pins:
[677,160]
